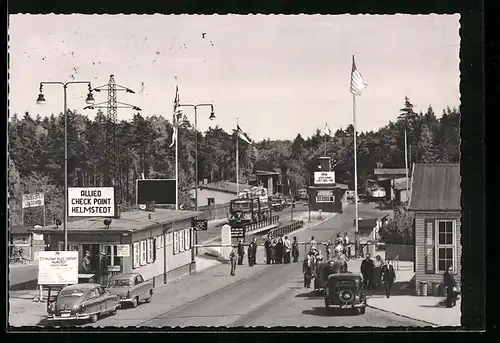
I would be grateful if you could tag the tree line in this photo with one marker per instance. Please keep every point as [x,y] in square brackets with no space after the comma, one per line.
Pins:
[36,154]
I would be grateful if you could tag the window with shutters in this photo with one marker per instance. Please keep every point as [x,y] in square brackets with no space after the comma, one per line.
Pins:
[181,241]
[429,246]
[446,245]
[144,252]
[168,239]
[136,253]
[186,239]
[176,242]
[160,239]
[149,247]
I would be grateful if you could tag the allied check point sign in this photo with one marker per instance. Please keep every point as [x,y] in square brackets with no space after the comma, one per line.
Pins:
[91,202]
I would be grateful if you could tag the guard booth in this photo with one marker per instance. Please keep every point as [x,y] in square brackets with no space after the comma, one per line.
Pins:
[325,194]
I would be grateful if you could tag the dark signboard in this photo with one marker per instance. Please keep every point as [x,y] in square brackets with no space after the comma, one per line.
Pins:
[199,224]
[161,191]
[237,232]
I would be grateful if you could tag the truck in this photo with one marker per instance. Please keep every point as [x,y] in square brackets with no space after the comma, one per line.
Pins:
[251,206]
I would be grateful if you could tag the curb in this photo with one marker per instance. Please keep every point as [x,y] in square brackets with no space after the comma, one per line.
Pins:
[402,315]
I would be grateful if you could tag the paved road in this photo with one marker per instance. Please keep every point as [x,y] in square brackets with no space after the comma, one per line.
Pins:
[267,295]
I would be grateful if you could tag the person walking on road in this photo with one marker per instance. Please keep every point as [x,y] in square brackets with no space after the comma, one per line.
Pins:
[312,243]
[367,271]
[451,287]
[347,246]
[233,258]
[328,248]
[254,250]
[307,269]
[287,249]
[388,276]
[377,271]
[295,249]
[241,252]
[267,247]
[273,251]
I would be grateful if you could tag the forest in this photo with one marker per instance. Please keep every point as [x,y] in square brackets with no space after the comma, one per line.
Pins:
[36,154]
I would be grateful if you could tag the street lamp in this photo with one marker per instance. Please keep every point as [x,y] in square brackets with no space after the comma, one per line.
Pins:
[40,101]
[212,117]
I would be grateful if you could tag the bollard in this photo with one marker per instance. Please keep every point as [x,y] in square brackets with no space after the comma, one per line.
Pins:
[423,288]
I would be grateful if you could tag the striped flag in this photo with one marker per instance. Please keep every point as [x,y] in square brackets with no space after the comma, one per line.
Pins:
[175,119]
[242,135]
[357,81]
[327,131]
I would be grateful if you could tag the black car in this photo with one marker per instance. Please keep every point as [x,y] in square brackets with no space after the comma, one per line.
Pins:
[345,292]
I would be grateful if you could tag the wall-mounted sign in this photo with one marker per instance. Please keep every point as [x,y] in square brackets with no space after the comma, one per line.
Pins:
[91,202]
[33,200]
[325,193]
[57,267]
[324,178]
[123,250]
[199,224]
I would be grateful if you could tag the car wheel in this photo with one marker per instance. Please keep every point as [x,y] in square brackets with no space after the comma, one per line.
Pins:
[148,300]
[362,310]
[94,318]
[135,302]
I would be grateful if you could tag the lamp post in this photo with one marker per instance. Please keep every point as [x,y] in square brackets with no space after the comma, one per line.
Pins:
[212,116]
[40,101]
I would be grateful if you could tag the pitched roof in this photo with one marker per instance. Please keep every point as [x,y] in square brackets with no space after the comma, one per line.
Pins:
[266,173]
[435,187]
[225,186]
[130,221]
[389,171]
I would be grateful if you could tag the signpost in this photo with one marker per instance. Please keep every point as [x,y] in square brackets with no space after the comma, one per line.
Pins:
[161,191]
[91,202]
[32,200]
[324,178]
[58,267]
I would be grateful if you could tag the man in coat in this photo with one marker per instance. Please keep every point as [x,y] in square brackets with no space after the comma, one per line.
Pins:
[388,277]
[295,249]
[367,271]
[308,269]
[241,252]
[250,254]
[450,285]
[254,258]
[267,246]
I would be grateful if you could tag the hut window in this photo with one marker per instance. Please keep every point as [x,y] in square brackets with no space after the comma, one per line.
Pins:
[446,245]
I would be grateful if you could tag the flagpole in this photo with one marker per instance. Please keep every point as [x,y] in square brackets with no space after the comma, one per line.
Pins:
[406,164]
[237,160]
[325,144]
[177,164]
[355,174]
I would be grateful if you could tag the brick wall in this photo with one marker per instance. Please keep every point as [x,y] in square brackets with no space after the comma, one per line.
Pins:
[421,249]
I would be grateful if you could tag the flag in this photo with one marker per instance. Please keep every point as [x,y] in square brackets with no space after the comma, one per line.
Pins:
[327,130]
[242,135]
[175,119]
[357,81]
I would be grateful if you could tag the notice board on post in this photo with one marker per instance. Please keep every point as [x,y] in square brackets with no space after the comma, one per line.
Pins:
[57,267]
[91,201]
[161,191]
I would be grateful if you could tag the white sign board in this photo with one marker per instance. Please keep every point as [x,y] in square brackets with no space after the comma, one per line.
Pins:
[33,200]
[123,250]
[91,202]
[324,178]
[57,267]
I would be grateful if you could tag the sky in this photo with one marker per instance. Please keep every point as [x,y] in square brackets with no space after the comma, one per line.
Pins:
[279,75]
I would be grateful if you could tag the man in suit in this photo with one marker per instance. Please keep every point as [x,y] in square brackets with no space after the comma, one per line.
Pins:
[232,258]
[450,285]
[254,258]
[250,253]
[367,271]
[267,246]
[241,252]
[388,277]
[287,249]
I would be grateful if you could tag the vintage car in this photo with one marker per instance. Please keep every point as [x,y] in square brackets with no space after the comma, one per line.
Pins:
[323,270]
[130,288]
[82,302]
[345,291]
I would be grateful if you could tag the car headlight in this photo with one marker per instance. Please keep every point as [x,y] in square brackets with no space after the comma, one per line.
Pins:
[82,308]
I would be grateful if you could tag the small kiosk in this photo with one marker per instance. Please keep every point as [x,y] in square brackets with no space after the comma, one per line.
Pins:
[325,194]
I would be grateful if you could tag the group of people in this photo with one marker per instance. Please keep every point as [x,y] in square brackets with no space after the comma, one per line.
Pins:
[377,272]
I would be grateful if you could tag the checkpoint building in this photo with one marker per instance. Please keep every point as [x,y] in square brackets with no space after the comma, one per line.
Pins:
[325,194]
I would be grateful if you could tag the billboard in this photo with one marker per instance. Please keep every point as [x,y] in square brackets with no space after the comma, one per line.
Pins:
[161,191]
[33,200]
[91,201]
[57,267]
[324,178]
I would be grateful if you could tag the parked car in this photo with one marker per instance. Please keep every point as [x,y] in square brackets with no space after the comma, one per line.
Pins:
[130,288]
[82,302]
[345,292]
